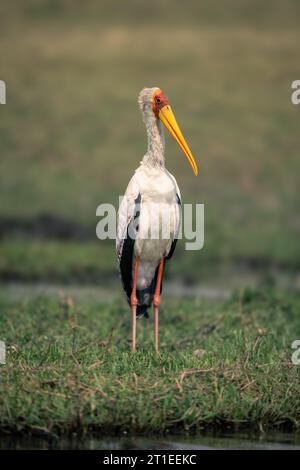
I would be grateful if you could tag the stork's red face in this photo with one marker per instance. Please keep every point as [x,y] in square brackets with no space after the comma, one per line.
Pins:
[163,111]
[159,101]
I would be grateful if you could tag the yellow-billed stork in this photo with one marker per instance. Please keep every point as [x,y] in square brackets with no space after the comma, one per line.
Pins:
[142,256]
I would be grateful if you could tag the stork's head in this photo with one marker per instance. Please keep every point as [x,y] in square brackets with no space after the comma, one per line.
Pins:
[155,105]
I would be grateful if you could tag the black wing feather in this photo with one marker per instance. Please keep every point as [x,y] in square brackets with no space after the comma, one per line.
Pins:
[174,242]
[126,261]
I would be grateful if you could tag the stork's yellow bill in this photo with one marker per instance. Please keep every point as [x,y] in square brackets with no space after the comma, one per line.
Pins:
[163,111]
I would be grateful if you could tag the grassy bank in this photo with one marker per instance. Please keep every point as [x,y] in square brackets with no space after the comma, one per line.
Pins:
[69,366]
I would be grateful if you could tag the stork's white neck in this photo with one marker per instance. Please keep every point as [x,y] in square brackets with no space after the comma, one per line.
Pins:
[156,142]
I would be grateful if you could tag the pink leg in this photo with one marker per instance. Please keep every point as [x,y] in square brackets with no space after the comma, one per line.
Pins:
[134,303]
[156,302]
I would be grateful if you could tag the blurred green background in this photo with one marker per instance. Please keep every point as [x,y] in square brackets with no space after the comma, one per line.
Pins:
[71,133]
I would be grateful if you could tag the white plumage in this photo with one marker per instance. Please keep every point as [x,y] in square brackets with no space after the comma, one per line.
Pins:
[160,196]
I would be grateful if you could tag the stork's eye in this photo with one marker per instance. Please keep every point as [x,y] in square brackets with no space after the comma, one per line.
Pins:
[158,100]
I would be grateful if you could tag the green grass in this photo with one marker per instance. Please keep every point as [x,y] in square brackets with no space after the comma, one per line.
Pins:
[57,261]
[71,134]
[70,368]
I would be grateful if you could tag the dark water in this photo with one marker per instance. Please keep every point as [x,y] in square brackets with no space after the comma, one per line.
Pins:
[271,441]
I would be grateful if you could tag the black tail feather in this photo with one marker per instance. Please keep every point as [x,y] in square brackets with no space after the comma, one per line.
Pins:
[142,311]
